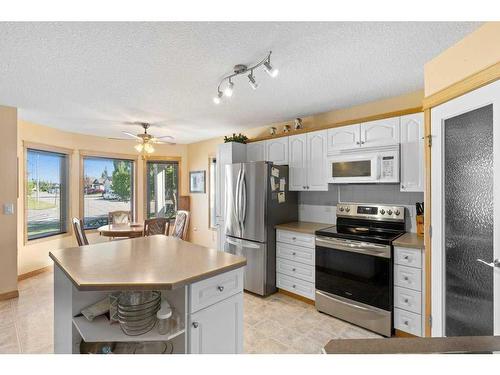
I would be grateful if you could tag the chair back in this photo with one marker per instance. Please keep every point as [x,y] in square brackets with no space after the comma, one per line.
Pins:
[119,217]
[181,224]
[155,226]
[81,238]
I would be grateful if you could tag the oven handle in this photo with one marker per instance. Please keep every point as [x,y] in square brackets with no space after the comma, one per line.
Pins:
[344,302]
[382,251]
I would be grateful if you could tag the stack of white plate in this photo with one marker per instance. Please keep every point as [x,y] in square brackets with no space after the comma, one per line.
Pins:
[136,311]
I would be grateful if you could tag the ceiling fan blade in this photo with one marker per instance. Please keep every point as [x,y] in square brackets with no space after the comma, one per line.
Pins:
[131,135]
[165,136]
[119,139]
[164,142]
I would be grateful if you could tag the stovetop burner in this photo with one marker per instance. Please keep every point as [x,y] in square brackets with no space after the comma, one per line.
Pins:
[366,234]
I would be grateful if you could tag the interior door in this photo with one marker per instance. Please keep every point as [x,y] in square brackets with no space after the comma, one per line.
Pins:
[465,211]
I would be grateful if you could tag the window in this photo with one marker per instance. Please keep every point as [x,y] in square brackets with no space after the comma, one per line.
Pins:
[46,193]
[108,185]
[212,166]
[162,188]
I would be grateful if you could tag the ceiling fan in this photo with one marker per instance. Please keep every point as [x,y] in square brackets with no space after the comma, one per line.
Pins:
[146,140]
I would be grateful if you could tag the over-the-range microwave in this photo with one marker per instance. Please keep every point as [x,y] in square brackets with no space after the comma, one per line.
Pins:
[366,167]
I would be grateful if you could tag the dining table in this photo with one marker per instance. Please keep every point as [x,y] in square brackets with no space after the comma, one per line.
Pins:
[127,230]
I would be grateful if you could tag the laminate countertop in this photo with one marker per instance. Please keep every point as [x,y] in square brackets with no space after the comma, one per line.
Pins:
[154,262]
[410,240]
[417,345]
[303,226]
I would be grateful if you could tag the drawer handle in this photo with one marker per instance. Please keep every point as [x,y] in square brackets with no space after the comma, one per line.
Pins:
[294,286]
[405,278]
[294,238]
[406,323]
[406,257]
[294,253]
[220,288]
[406,300]
[293,269]
[195,324]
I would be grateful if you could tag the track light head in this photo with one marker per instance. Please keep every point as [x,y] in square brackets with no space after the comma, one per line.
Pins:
[217,99]
[251,81]
[273,72]
[228,91]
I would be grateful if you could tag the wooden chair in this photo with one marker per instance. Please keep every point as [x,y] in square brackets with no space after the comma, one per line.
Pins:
[81,238]
[157,225]
[181,225]
[119,217]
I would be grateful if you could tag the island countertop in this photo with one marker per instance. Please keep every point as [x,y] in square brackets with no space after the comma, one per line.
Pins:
[154,262]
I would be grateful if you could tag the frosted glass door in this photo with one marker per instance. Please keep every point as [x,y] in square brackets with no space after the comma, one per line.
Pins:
[465,179]
[468,229]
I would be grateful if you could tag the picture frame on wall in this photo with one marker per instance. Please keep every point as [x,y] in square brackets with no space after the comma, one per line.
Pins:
[197,182]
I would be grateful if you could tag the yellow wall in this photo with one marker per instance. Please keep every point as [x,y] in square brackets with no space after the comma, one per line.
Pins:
[199,153]
[34,254]
[8,194]
[475,52]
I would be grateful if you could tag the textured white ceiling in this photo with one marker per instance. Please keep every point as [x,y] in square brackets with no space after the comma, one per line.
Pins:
[90,77]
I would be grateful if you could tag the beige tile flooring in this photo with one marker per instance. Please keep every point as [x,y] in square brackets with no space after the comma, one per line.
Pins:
[276,324]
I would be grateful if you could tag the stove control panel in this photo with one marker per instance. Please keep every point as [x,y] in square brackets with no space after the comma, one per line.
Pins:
[371,211]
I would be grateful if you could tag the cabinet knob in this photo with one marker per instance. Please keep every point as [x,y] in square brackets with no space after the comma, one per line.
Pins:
[403,187]
[294,238]
[303,187]
[294,253]
[293,269]
[220,288]
[406,322]
[406,257]
[358,143]
[406,300]
[195,324]
[405,278]
[294,286]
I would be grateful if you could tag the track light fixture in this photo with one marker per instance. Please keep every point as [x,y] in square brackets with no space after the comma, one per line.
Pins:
[242,69]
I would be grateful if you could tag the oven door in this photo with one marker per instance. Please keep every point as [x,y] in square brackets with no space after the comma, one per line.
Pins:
[353,168]
[355,270]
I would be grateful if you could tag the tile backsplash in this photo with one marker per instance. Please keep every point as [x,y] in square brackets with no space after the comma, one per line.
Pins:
[320,206]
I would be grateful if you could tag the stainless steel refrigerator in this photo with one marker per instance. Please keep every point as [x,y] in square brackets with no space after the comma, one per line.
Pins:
[257,198]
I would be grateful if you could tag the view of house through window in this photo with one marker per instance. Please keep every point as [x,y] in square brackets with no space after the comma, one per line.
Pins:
[162,188]
[108,185]
[46,193]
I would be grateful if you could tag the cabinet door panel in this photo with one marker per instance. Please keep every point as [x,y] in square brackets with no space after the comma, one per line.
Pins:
[217,329]
[412,152]
[256,151]
[344,137]
[297,162]
[316,161]
[277,150]
[380,133]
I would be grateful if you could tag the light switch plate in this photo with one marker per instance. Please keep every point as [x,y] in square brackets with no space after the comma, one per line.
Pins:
[8,208]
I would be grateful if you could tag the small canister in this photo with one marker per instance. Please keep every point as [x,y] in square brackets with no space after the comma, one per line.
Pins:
[164,315]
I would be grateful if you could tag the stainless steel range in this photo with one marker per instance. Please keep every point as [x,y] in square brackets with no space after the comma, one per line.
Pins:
[354,268]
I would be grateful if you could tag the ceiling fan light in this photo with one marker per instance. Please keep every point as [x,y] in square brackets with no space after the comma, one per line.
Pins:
[139,147]
[217,99]
[273,72]
[148,147]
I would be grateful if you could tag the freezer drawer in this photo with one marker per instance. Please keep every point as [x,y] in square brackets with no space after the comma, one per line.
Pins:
[256,254]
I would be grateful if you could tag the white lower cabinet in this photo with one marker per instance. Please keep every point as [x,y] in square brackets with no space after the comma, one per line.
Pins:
[409,297]
[217,329]
[295,263]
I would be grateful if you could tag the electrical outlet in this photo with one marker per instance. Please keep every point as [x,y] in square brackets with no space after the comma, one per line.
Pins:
[8,208]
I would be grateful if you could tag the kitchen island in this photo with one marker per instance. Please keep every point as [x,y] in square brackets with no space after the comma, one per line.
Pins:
[204,287]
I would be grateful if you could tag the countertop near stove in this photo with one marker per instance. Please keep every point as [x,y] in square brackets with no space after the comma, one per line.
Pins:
[410,240]
[419,345]
[306,227]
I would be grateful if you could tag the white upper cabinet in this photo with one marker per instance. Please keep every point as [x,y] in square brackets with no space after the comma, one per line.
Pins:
[307,161]
[297,146]
[277,150]
[380,133]
[316,161]
[344,137]
[256,151]
[412,152]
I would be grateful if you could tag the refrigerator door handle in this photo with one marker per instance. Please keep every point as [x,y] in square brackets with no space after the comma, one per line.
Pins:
[242,243]
[244,200]
[238,200]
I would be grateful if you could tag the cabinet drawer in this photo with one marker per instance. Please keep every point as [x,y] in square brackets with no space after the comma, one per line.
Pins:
[297,253]
[295,269]
[408,299]
[295,238]
[408,277]
[408,322]
[207,292]
[408,257]
[294,285]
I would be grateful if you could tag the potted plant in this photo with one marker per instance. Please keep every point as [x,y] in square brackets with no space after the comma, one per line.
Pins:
[238,138]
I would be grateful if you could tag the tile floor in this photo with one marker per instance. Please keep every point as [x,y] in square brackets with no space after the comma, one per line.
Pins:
[276,324]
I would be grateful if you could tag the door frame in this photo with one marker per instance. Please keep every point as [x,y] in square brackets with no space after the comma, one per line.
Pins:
[470,101]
